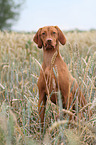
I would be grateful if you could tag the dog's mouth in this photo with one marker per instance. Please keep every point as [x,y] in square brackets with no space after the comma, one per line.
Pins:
[49,46]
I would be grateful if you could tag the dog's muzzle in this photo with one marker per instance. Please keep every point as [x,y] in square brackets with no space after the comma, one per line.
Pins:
[48,44]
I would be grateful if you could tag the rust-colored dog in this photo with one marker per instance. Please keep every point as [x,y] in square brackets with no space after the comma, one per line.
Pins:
[49,37]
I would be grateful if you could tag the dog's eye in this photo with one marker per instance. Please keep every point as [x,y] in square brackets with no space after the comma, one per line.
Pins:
[54,32]
[43,33]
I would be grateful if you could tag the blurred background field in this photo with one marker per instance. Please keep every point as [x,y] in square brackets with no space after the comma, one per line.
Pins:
[20,62]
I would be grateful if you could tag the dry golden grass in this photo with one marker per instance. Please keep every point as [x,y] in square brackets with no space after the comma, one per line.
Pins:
[20,62]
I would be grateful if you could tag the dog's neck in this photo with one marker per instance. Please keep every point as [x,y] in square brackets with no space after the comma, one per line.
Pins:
[49,56]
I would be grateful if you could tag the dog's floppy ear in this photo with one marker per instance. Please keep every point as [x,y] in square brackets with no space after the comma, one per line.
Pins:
[37,38]
[61,36]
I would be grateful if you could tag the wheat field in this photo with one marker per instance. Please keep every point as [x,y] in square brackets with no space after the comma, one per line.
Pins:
[20,63]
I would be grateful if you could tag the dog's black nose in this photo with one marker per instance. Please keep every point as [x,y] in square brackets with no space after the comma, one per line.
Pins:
[49,40]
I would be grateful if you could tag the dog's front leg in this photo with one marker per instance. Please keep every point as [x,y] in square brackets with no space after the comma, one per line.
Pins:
[42,107]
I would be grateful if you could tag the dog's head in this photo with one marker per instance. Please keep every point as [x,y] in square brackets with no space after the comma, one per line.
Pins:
[48,37]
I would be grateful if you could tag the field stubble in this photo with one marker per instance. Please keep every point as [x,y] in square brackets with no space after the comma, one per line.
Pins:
[20,62]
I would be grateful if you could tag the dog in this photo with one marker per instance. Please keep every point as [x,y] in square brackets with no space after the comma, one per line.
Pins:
[54,73]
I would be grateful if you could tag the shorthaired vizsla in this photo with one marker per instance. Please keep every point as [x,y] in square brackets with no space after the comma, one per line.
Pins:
[54,74]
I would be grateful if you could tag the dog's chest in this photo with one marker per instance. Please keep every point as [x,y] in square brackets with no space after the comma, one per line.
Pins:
[50,79]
